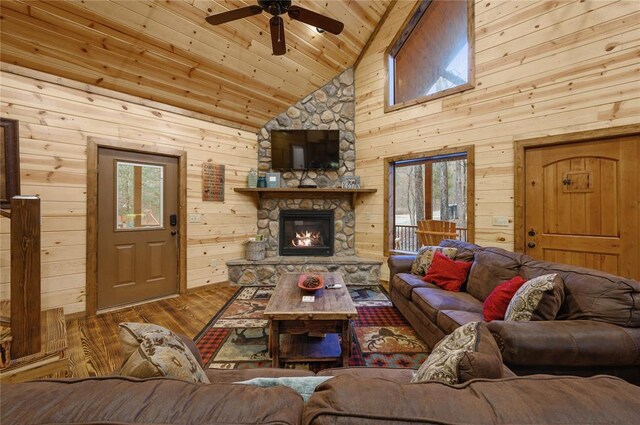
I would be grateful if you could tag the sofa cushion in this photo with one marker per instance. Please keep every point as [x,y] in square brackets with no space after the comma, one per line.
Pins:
[449,320]
[468,352]
[591,294]
[424,257]
[405,283]
[531,400]
[466,250]
[538,299]
[151,350]
[432,300]
[448,274]
[122,400]
[495,305]
[491,267]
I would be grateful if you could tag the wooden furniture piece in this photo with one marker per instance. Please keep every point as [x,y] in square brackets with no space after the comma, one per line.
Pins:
[50,360]
[319,331]
[432,232]
[25,276]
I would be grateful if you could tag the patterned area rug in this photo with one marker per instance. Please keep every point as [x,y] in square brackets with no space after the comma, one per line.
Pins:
[237,337]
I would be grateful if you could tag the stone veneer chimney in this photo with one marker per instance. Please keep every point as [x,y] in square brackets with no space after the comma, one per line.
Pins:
[331,107]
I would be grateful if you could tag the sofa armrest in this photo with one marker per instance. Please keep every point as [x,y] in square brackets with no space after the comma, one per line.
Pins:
[400,264]
[566,343]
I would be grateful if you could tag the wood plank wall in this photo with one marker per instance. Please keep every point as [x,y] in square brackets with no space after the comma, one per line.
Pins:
[542,68]
[55,122]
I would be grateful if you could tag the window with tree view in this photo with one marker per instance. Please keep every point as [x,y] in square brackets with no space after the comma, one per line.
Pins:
[432,56]
[139,195]
[427,188]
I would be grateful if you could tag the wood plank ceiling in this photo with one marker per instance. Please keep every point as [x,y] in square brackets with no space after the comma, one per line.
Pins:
[166,52]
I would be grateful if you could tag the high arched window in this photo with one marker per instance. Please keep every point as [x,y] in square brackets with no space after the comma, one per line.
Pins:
[432,56]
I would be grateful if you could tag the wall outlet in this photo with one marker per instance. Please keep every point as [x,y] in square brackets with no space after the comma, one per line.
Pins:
[214,263]
[195,218]
[500,221]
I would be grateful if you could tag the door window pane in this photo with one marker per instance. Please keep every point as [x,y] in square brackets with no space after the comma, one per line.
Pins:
[139,195]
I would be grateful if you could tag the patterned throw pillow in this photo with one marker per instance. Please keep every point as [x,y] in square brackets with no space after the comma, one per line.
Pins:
[151,350]
[425,257]
[538,299]
[468,352]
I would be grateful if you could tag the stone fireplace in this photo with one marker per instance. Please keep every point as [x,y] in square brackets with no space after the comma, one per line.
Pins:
[331,107]
[336,205]
[306,233]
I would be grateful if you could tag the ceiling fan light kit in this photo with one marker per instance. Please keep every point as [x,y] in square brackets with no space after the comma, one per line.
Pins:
[276,23]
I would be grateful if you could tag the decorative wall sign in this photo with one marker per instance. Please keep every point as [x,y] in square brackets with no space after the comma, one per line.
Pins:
[212,182]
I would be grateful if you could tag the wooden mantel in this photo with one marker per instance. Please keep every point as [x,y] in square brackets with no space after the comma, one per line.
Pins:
[294,192]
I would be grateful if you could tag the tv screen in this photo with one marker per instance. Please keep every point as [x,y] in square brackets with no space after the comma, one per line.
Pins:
[305,149]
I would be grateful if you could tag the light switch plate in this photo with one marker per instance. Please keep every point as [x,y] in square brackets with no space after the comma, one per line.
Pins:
[195,218]
[500,221]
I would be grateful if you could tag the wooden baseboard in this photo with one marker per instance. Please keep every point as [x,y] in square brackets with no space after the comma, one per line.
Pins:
[207,286]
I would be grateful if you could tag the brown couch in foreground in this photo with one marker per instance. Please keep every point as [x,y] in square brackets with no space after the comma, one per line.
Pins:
[353,396]
[596,331]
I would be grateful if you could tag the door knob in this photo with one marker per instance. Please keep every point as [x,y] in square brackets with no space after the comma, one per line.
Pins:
[173,233]
[531,244]
[531,232]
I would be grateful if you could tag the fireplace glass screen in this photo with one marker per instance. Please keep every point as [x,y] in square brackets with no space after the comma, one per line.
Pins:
[306,233]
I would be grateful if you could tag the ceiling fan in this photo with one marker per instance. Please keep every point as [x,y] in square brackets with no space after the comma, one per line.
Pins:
[276,24]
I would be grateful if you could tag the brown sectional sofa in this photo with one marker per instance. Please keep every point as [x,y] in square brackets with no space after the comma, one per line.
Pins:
[596,331]
[353,396]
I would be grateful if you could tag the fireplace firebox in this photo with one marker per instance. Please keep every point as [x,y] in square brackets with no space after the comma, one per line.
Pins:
[306,232]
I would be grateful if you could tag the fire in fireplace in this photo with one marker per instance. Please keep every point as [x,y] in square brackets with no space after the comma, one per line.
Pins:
[306,232]
[307,238]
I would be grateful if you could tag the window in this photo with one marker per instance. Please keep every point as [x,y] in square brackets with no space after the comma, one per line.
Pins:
[432,56]
[139,195]
[428,185]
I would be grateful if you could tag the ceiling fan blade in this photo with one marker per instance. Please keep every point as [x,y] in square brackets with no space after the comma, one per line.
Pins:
[315,19]
[232,15]
[277,35]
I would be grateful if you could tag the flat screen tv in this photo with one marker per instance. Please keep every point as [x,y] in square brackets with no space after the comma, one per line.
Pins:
[305,149]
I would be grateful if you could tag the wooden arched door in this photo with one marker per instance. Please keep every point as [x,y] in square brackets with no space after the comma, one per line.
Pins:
[582,204]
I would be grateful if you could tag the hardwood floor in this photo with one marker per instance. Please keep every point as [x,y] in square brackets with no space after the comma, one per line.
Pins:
[94,348]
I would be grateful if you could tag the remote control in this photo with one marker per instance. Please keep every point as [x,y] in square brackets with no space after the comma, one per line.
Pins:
[334,286]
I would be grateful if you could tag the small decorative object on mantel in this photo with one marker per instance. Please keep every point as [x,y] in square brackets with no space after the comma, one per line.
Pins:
[252,178]
[273,179]
[212,182]
[262,179]
[350,182]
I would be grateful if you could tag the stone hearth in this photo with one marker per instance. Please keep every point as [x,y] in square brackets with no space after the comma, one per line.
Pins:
[354,270]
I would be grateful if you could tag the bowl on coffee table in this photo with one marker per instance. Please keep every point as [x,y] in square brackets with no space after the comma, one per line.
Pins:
[310,282]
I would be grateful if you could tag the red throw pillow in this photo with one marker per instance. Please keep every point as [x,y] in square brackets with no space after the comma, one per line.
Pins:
[495,306]
[447,273]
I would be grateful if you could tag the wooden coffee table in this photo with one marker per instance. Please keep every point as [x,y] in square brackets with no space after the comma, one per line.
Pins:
[319,331]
